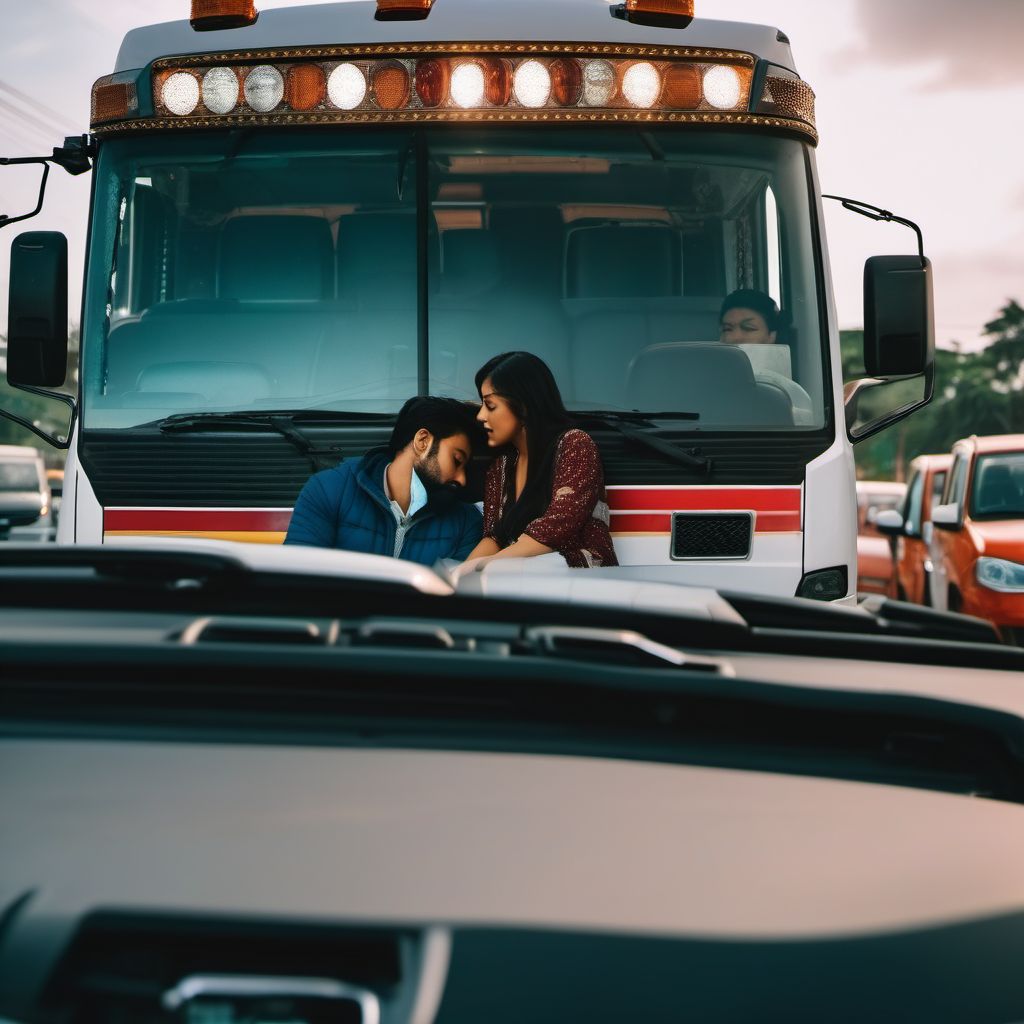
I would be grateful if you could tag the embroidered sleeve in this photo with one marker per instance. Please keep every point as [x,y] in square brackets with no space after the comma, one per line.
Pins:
[494,489]
[575,491]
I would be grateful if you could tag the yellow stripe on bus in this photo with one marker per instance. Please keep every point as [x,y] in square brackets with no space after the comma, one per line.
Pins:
[253,537]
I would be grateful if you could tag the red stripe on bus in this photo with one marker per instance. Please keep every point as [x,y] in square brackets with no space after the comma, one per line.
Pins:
[195,519]
[701,499]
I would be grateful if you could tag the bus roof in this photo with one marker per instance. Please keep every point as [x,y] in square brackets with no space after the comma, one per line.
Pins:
[353,22]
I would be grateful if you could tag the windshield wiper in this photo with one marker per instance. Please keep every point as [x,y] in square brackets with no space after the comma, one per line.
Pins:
[622,422]
[283,422]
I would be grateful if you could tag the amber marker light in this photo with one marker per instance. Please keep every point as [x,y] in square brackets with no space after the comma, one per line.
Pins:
[209,15]
[682,88]
[305,86]
[391,86]
[113,100]
[566,81]
[403,10]
[432,78]
[497,81]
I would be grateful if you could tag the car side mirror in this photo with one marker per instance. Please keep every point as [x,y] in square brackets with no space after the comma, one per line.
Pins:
[899,322]
[37,342]
[890,522]
[946,517]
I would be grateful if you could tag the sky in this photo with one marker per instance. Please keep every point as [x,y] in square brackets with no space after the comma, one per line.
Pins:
[919,111]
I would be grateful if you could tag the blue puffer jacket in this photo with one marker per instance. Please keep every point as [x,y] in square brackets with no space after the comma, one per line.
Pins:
[346,508]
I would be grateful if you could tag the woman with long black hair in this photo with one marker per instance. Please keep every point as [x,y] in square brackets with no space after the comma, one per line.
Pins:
[545,490]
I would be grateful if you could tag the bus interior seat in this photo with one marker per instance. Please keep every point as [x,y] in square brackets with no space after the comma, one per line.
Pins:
[264,326]
[714,380]
[623,287]
[476,316]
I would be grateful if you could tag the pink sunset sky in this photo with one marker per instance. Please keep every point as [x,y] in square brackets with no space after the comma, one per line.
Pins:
[919,109]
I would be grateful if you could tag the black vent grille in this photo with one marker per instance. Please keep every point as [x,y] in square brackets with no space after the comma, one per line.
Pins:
[714,535]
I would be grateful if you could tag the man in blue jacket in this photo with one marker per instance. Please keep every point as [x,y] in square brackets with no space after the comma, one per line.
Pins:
[403,500]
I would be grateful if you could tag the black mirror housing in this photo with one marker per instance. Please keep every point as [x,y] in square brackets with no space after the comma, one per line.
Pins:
[37,344]
[899,318]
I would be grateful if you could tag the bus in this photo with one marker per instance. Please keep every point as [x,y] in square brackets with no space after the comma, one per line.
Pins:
[302,217]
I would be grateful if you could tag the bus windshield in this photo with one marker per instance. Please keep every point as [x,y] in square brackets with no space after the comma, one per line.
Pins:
[292,270]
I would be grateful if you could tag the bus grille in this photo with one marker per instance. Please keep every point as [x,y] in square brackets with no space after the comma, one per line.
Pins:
[698,535]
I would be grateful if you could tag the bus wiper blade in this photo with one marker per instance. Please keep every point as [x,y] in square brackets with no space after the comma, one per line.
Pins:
[320,456]
[621,422]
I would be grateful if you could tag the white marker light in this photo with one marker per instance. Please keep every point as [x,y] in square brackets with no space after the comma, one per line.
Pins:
[220,90]
[641,84]
[180,93]
[346,86]
[598,83]
[468,85]
[264,88]
[722,88]
[532,84]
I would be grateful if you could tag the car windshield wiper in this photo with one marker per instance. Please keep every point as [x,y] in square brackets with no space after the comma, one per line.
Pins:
[281,421]
[622,422]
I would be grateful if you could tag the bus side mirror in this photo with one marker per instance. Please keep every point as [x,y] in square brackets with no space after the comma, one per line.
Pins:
[899,322]
[37,343]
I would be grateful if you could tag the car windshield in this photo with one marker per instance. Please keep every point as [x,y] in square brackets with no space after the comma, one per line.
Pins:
[18,476]
[350,270]
[998,489]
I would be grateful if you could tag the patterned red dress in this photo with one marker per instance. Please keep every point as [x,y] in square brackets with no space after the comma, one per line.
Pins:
[575,524]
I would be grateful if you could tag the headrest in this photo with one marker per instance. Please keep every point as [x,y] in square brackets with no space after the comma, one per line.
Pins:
[275,259]
[634,261]
[377,256]
[469,262]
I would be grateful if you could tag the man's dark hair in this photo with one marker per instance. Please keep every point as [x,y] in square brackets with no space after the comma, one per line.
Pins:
[759,302]
[443,417]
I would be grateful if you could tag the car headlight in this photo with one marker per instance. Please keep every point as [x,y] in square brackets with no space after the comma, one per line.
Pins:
[999,574]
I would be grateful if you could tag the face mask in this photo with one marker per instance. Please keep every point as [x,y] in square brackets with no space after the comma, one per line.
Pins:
[418,496]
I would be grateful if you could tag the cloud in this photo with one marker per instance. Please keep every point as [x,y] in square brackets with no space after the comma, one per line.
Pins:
[974,44]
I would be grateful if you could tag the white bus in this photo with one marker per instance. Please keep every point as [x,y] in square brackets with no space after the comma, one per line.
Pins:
[302,217]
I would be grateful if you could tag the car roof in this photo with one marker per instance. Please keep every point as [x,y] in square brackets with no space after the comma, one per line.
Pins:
[19,451]
[926,463]
[353,23]
[994,443]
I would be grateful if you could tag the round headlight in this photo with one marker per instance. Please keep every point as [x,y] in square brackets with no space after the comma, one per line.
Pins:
[598,83]
[641,84]
[468,85]
[532,84]
[346,86]
[220,90]
[722,87]
[264,88]
[180,93]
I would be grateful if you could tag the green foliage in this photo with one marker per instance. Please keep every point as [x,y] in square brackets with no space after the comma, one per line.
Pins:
[975,393]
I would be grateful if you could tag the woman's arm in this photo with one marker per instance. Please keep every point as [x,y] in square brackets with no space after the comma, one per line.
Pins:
[487,548]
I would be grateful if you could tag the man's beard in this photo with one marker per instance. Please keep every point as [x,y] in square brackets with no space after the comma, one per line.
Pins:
[428,469]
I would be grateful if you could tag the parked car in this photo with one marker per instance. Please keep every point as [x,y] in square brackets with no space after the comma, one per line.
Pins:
[912,527]
[875,569]
[978,541]
[24,491]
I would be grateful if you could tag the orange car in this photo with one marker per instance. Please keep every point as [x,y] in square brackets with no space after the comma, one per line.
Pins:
[875,569]
[978,540]
[913,529]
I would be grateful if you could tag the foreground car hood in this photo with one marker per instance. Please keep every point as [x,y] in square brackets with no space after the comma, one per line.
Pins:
[398,835]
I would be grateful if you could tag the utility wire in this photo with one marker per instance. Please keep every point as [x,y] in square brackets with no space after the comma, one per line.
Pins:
[32,123]
[59,120]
